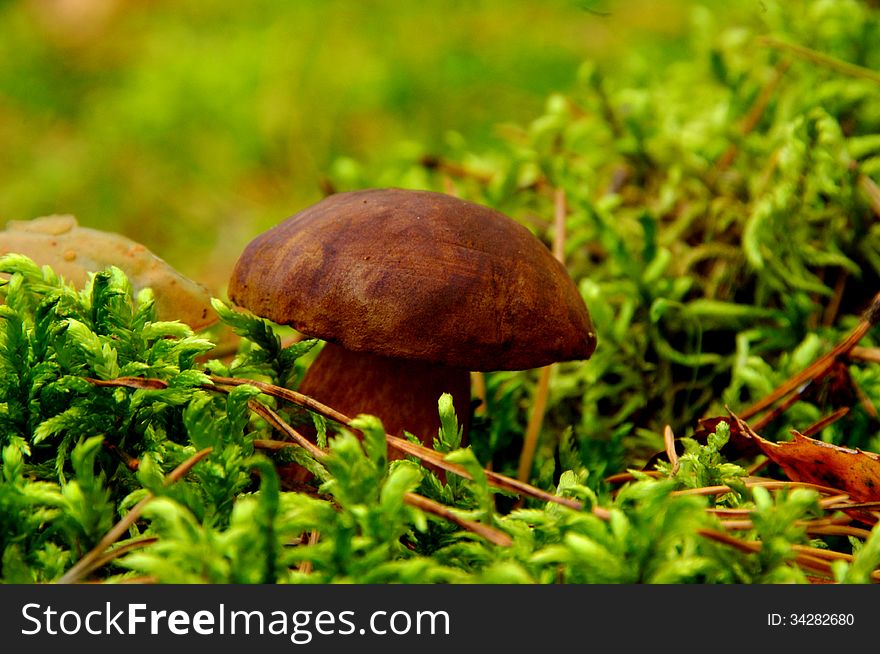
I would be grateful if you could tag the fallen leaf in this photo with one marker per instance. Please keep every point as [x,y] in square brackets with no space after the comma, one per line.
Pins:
[853,471]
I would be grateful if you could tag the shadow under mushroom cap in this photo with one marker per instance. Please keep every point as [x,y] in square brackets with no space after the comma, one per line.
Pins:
[416,275]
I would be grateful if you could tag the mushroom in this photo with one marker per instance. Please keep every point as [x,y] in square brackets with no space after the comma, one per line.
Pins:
[73,252]
[411,290]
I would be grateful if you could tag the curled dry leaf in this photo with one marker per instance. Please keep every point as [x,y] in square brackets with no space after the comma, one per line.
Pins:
[74,251]
[853,471]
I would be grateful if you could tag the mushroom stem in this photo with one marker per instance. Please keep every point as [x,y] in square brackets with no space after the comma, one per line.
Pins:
[403,393]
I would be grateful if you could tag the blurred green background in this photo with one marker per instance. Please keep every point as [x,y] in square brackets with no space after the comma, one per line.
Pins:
[193,125]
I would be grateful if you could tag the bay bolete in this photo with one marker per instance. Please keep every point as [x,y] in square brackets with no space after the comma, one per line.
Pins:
[411,290]
[74,252]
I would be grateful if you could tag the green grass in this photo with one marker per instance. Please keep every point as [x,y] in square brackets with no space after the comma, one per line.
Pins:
[191,126]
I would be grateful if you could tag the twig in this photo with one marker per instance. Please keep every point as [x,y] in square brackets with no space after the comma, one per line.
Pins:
[786,404]
[277,423]
[773,484]
[871,354]
[855,505]
[271,417]
[539,406]
[478,384]
[769,484]
[413,499]
[400,444]
[287,395]
[430,506]
[495,479]
[753,117]
[669,441]
[839,530]
[833,307]
[811,558]
[130,382]
[833,500]
[821,553]
[822,59]
[130,462]
[720,489]
[116,552]
[89,562]
[864,400]
[818,426]
[760,463]
[872,191]
[749,547]
[533,428]
[306,566]
[821,366]
[623,477]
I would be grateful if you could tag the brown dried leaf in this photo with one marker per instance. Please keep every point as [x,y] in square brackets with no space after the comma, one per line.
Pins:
[805,459]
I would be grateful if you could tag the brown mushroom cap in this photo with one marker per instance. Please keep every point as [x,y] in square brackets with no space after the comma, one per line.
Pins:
[416,275]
